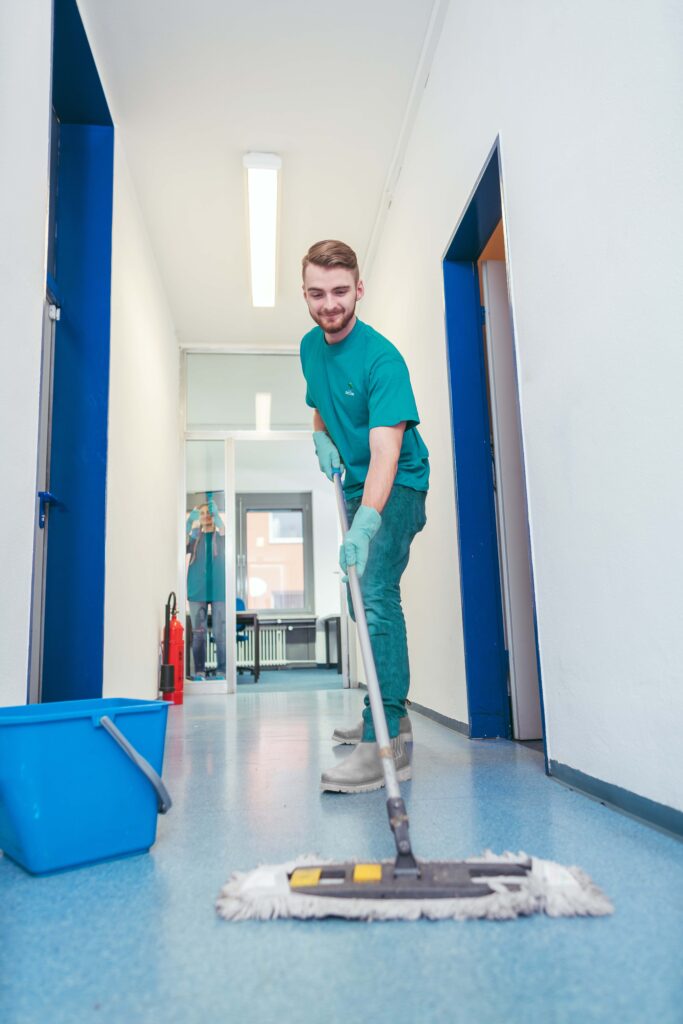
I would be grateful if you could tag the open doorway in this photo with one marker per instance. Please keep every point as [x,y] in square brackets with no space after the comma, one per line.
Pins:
[503,683]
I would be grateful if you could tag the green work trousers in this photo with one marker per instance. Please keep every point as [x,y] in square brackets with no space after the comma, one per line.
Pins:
[403,517]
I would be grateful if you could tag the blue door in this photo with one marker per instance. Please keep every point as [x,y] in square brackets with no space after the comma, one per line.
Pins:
[485,655]
[79,265]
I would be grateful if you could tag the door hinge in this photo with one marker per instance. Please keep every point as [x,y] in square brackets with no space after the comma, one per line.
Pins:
[483,315]
[54,312]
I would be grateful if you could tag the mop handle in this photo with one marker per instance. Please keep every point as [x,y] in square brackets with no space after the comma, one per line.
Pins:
[377,707]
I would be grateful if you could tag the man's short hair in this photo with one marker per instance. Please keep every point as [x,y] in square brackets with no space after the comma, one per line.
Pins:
[331,253]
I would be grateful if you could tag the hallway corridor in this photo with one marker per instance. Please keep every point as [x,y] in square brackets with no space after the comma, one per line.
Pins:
[138,940]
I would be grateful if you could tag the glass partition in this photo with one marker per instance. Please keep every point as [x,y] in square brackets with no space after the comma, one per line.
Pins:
[246,392]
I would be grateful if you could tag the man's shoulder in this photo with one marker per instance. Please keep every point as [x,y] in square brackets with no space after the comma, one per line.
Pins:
[379,348]
[311,338]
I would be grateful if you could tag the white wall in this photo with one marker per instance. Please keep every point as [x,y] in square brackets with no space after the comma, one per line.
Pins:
[143,467]
[587,100]
[25,46]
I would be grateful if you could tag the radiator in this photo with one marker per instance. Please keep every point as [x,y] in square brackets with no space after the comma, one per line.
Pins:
[272,647]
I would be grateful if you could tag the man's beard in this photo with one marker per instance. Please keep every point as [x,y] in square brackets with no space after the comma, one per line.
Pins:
[346,320]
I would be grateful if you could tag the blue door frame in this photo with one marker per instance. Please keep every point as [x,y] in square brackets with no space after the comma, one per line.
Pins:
[79,278]
[486,659]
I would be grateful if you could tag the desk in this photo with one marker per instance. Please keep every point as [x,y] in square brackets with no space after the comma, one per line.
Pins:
[251,619]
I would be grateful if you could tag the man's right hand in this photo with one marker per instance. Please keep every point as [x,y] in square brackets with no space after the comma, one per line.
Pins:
[327,453]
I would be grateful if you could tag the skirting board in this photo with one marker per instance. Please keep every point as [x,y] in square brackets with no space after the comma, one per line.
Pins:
[667,819]
[202,687]
[450,723]
[649,811]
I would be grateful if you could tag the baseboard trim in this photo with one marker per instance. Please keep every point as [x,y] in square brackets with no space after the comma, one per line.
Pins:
[664,818]
[659,816]
[436,716]
[450,723]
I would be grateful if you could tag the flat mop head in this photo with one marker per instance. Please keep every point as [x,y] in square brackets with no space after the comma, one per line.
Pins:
[490,887]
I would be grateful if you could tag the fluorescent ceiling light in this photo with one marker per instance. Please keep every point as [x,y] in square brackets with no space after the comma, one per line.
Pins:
[262,402]
[262,188]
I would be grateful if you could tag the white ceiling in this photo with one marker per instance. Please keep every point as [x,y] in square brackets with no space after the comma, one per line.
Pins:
[194,85]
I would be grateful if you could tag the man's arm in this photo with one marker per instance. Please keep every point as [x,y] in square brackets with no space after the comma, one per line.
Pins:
[325,448]
[385,449]
[318,421]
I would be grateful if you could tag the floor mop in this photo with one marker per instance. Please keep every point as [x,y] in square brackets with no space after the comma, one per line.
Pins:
[494,887]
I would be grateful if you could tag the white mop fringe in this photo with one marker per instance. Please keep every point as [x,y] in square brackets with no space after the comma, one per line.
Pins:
[264,894]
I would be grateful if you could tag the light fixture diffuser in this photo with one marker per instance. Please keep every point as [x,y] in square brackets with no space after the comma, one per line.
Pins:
[262,191]
[262,404]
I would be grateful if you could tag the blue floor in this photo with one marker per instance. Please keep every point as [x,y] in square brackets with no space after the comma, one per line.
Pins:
[289,681]
[138,940]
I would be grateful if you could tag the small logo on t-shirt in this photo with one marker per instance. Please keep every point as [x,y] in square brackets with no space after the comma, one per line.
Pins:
[349,390]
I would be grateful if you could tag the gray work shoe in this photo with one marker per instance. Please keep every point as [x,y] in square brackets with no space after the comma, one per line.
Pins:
[361,771]
[355,734]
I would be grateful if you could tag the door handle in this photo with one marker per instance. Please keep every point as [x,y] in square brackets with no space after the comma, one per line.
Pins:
[45,499]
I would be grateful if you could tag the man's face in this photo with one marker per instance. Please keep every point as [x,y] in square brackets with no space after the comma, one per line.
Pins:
[331,294]
[205,518]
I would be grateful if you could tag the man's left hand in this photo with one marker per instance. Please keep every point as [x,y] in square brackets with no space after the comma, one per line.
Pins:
[356,544]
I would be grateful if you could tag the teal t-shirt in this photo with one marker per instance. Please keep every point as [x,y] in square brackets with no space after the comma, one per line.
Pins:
[206,571]
[357,384]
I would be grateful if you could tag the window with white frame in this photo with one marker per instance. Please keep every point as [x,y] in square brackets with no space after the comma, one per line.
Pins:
[275,553]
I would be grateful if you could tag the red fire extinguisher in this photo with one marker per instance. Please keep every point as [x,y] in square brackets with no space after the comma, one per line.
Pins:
[174,654]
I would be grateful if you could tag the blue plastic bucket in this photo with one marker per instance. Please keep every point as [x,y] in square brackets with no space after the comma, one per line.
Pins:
[80,780]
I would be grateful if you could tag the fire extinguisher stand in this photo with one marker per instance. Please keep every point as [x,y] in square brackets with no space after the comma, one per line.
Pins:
[173,659]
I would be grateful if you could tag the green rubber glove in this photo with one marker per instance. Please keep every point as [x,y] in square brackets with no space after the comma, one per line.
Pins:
[215,514]
[327,453]
[356,544]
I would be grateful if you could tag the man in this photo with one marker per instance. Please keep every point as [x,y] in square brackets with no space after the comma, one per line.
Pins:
[365,419]
[205,560]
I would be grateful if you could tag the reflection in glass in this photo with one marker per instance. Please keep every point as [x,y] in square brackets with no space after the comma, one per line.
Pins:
[205,558]
[275,559]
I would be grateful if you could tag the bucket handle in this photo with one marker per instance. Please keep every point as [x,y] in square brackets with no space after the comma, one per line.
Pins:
[163,798]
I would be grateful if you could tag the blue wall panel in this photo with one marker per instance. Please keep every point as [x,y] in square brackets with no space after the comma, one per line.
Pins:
[485,656]
[74,600]
[481,216]
[77,93]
